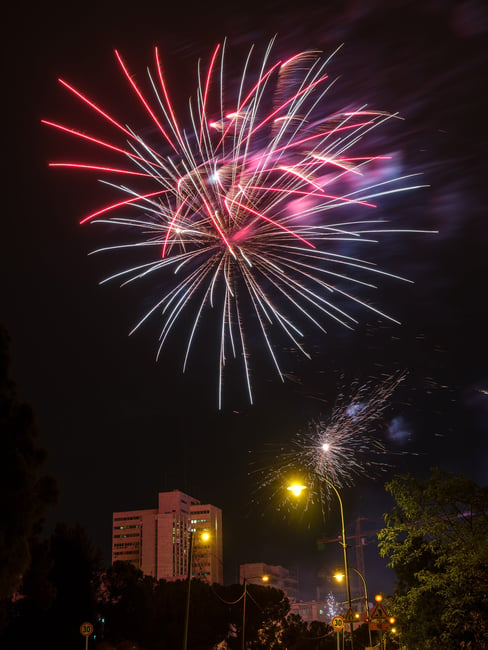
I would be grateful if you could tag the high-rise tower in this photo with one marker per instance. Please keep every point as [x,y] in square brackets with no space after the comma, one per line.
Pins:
[157,541]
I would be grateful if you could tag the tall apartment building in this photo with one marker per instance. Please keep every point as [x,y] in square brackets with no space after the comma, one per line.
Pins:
[157,541]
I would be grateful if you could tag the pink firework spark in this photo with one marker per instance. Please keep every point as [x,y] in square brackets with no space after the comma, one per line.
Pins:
[237,217]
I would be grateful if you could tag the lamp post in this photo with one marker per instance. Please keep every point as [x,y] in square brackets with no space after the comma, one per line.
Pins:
[296,489]
[339,576]
[205,536]
[263,578]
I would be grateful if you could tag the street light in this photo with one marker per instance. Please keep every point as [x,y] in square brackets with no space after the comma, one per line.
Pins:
[263,578]
[296,489]
[340,576]
[204,537]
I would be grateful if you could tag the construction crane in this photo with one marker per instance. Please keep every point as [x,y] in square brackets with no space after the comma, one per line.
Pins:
[360,539]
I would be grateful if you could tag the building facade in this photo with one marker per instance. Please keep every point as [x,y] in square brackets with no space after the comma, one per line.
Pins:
[161,542]
[313,611]
[277,577]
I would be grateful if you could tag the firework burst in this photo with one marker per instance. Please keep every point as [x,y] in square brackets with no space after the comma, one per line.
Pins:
[338,449]
[232,214]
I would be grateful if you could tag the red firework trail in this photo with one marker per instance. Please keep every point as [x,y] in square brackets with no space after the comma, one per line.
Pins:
[233,207]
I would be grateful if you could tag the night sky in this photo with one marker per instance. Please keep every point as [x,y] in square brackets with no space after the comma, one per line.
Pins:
[119,427]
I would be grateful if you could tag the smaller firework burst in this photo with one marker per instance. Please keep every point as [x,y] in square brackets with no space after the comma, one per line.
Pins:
[335,450]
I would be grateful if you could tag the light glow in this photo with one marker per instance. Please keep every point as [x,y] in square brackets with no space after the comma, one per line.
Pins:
[296,489]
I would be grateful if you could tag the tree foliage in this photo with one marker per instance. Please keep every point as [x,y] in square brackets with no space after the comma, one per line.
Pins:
[436,539]
[75,572]
[57,594]
[24,494]
[300,635]
[151,613]
[64,587]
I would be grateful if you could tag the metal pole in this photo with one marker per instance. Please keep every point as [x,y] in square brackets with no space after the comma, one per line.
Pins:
[187,609]
[366,600]
[344,549]
[244,598]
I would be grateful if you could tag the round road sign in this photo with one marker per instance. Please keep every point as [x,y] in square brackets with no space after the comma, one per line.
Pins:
[86,629]
[337,622]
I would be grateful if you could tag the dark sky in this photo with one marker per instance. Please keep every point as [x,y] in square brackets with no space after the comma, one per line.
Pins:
[118,427]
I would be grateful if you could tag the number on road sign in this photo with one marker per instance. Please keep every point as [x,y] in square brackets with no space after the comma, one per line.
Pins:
[337,623]
[86,629]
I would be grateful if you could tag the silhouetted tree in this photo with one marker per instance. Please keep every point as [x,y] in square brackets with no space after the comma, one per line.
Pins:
[151,614]
[75,575]
[266,609]
[299,635]
[125,601]
[57,594]
[26,615]
[24,494]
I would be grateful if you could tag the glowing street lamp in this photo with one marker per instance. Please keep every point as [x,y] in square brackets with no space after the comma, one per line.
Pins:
[204,536]
[263,578]
[296,489]
[339,576]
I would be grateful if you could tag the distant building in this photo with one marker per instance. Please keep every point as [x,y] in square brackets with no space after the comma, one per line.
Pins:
[157,541]
[312,611]
[279,577]
[325,610]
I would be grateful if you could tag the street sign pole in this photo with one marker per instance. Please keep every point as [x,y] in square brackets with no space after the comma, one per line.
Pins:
[338,625]
[86,629]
